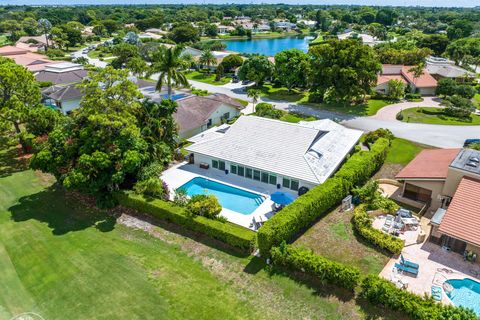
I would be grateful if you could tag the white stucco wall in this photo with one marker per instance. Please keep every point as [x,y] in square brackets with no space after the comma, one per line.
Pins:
[69,105]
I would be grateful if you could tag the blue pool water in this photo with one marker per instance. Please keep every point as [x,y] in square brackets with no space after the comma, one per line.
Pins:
[466,293]
[175,96]
[231,198]
[268,47]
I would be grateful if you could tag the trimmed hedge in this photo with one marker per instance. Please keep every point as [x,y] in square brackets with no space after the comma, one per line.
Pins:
[382,292]
[284,225]
[297,259]
[363,225]
[363,164]
[227,232]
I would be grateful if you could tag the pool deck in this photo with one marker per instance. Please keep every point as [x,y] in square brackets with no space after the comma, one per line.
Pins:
[179,174]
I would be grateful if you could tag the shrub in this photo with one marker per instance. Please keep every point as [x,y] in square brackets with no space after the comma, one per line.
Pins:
[267,110]
[399,116]
[153,187]
[457,106]
[301,259]
[227,232]
[312,205]
[180,198]
[362,223]
[382,292]
[413,96]
[373,136]
[204,205]
[465,91]
[153,170]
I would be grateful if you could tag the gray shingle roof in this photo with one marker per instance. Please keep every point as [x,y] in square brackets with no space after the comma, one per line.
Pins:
[61,77]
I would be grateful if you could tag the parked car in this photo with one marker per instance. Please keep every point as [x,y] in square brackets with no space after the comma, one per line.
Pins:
[85,51]
[470,141]
[235,79]
[245,82]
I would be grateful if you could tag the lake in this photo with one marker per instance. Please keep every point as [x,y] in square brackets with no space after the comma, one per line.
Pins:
[268,47]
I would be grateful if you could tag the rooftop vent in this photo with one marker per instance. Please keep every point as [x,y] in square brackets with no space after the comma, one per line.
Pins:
[472,164]
[474,159]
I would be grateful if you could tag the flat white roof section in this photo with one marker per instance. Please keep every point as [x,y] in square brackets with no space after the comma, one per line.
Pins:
[64,67]
[308,151]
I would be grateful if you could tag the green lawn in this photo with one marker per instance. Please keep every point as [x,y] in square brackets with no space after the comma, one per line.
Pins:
[62,259]
[207,78]
[369,109]
[333,237]
[97,54]
[432,115]
[476,100]
[281,93]
[294,118]
[403,151]
[3,40]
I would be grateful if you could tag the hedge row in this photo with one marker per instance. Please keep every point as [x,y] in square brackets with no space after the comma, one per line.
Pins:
[284,225]
[379,291]
[362,223]
[227,232]
[296,258]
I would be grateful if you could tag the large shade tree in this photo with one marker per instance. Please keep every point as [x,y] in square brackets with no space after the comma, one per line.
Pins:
[291,67]
[256,69]
[342,70]
[169,65]
[19,97]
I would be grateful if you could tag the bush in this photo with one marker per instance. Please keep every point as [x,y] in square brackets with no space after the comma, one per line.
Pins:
[413,96]
[312,205]
[204,205]
[465,91]
[399,116]
[227,232]
[382,292]
[373,136]
[153,170]
[267,110]
[301,259]
[362,223]
[55,53]
[153,187]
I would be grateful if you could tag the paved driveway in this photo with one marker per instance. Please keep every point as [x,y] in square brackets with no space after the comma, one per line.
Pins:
[390,112]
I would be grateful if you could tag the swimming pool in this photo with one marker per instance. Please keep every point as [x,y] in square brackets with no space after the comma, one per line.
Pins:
[466,293]
[238,200]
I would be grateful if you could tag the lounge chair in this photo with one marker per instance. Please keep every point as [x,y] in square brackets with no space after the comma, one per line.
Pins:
[436,293]
[408,263]
[388,223]
[406,269]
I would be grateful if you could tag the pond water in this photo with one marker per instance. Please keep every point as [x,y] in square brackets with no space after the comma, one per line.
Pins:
[268,47]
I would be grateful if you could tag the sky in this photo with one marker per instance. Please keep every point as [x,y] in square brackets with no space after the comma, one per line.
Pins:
[426,3]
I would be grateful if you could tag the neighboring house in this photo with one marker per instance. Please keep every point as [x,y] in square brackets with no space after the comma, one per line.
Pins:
[32,61]
[294,156]
[33,43]
[447,180]
[62,97]
[441,68]
[224,29]
[196,114]
[366,38]
[425,84]
[62,73]
[156,31]
[285,25]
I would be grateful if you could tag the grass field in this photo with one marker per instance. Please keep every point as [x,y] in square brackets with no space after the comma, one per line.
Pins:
[367,109]
[62,259]
[333,237]
[403,151]
[431,115]
[476,100]
[207,78]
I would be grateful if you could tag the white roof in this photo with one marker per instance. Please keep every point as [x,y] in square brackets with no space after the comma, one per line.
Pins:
[308,151]
[448,71]
[63,67]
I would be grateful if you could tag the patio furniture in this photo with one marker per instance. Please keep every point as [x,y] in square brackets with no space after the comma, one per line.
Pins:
[436,293]
[406,217]
[204,165]
[406,269]
[388,223]
[408,263]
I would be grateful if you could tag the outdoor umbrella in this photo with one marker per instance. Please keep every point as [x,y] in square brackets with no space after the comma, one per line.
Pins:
[282,198]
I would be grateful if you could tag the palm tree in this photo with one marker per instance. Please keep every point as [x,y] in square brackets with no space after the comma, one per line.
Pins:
[417,71]
[45,25]
[207,58]
[255,95]
[169,64]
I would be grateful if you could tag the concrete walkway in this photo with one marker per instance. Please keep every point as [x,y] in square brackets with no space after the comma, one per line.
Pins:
[390,112]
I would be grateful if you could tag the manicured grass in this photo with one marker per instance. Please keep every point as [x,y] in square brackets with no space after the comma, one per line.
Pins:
[207,78]
[242,102]
[97,54]
[403,151]
[333,237]
[367,109]
[295,118]
[431,115]
[62,259]
[282,93]
[476,100]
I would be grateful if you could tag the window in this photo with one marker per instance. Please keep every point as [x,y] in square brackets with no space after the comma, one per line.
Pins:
[226,115]
[286,183]
[221,165]
[294,185]
[215,164]
[256,175]
[241,171]
[248,173]
[272,179]
[265,177]
[233,169]
[209,123]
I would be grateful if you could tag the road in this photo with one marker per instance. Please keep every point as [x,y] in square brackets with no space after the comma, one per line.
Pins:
[442,136]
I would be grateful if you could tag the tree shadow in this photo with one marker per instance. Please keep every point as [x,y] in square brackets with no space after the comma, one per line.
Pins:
[11,160]
[60,213]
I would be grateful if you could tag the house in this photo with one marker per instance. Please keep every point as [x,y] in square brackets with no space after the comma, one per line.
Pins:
[441,68]
[62,97]
[196,114]
[448,181]
[62,73]
[224,29]
[293,156]
[366,38]
[285,25]
[425,84]
[32,61]
[33,43]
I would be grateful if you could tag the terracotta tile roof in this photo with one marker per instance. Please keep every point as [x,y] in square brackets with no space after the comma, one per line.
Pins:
[429,164]
[32,61]
[463,215]
[384,78]
[424,81]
